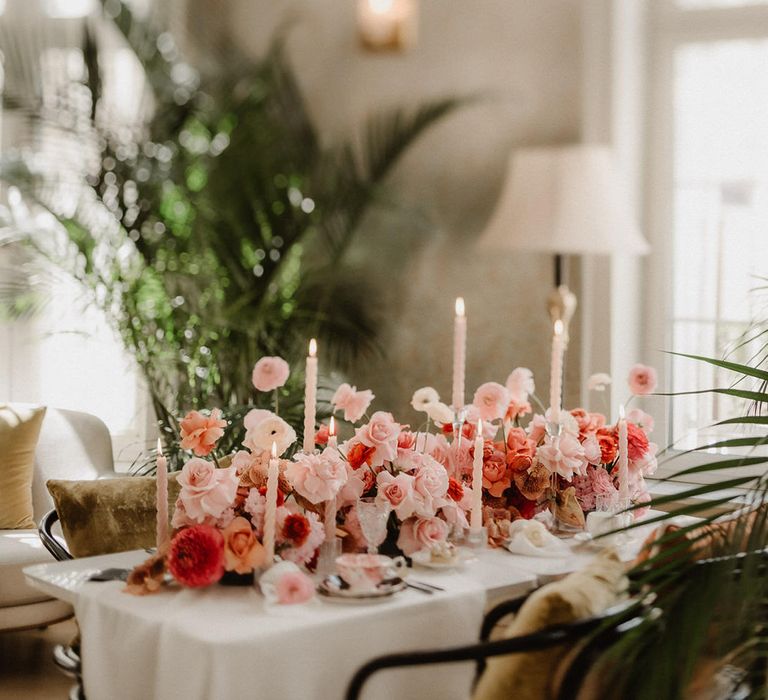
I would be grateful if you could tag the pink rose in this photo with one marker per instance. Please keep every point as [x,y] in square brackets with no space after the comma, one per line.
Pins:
[564,456]
[592,452]
[431,479]
[200,433]
[206,491]
[381,433]
[317,477]
[294,587]
[270,373]
[642,380]
[398,492]
[354,403]
[255,416]
[492,400]
[421,533]
[644,420]
[520,384]
[496,475]
[242,551]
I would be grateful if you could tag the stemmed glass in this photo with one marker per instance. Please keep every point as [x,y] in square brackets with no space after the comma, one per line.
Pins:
[373,516]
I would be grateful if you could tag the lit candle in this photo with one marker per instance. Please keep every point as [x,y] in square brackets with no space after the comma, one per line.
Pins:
[623,457]
[310,397]
[333,441]
[556,372]
[476,517]
[161,480]
[459,355]
[270,511]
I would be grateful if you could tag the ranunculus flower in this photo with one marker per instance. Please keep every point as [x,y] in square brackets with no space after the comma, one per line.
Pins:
[421,533]
[200,433]
[455,490]
[270,373]
[294,587]
[381,433]
[520,449]
[397,491]
[440,413]
[637,442]
[268,430]
[292,529]
[296,529]
[520,384]
[242,551]
[598,382]
[642,380]
[423,398]
[322,435]
[316,477]
[196,556]
[491,399]
[496,476]
[206,492]
[354,403]
[643,419]
[563,456]
[608,440]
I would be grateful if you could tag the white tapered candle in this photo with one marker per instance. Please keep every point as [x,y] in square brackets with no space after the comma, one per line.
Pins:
[459,355]
[270,512]
[310,397]
[556,372]
[476,517]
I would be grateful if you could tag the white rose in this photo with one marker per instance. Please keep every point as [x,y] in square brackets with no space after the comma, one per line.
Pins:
[271,429]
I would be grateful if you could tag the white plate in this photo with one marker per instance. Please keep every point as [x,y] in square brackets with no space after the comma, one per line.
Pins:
[330,589]
[424,559]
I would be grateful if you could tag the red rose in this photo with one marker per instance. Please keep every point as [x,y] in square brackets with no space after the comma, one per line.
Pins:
[296,528]
[609,444]
[196,556]
[359,454]
[637,442]
[455,490]
[322,435]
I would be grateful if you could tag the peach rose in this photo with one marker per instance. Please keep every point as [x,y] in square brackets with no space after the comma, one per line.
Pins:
[206,491]
[421,533]
[642,380]
[520,449]
[496,476]
[492,400]
[242,551]
[397,491]
[200,433]
[270,373]
[381,433]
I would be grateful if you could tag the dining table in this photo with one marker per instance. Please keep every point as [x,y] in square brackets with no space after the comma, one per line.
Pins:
[230,642]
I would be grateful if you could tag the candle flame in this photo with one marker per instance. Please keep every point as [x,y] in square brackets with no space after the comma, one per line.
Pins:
[313,348]
[558,327]
[332,428]
[621,411]
[274,450]
[459,306]
[159,448]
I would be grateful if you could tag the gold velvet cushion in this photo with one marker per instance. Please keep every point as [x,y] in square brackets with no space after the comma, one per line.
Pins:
[532,675]
[19,430]
[108,515]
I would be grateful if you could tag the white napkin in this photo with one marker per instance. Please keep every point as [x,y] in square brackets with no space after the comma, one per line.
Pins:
[530,538]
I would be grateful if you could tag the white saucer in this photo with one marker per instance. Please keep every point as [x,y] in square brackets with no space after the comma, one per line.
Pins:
[424,558]
[334,590]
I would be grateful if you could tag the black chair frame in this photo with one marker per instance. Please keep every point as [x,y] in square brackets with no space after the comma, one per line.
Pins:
[49,540]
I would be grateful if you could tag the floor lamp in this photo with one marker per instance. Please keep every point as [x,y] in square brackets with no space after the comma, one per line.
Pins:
[564,200]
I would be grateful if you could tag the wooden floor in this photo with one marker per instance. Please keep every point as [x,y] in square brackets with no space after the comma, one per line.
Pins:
[26,666]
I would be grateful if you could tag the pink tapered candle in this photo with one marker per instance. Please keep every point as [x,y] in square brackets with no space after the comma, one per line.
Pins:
[270,511]
[161,480]
[556,372]
[476,517]
[459,355]
[623,457]
[330,506]
[310,397]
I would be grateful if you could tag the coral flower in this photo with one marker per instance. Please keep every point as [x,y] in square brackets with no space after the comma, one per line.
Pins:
[242,551]
[359,454]
[637,442]
[642,380]
[200,433]
[609,444]
[196,556]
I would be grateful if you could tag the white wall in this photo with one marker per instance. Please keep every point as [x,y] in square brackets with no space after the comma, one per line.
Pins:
[524,58]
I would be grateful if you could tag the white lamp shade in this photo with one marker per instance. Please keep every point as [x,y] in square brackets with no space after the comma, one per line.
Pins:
[567,200]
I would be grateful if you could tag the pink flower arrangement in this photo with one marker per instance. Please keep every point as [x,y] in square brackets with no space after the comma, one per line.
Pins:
[270,373]
[200,433]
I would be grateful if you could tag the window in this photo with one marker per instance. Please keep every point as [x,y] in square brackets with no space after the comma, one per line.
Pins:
[708,199]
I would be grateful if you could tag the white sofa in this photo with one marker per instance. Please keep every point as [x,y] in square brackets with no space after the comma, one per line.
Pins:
[72,445]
